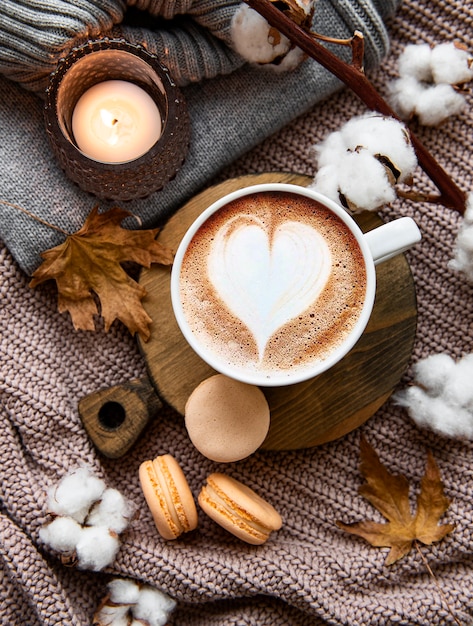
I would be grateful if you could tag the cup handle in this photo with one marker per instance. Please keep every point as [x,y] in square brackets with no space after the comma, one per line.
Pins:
[393,238]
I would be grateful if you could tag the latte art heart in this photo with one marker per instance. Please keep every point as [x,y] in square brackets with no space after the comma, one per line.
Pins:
[268,278]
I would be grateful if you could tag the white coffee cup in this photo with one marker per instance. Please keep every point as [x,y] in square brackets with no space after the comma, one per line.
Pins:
[278,272]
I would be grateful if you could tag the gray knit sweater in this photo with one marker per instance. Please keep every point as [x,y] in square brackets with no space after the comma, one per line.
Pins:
[233,105]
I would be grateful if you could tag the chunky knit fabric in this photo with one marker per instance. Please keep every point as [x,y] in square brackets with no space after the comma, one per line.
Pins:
[309,572]
[233,107]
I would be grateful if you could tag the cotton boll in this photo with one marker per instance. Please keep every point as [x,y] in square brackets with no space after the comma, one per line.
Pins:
[330,149]
[451,64]
[251,37]
[153,606]
[465,238]
[376,189]
[438,102]
[415,61]
[75,493]
[403,95]
[326,183]
[463,259]
[113,511]
[96,548]
[123,591]
[435,413]
[381,135]
[62,534]
[459,389]
[434,372]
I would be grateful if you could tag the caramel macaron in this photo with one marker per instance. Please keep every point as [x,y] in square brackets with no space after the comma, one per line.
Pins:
[238,509]
[168,496]
[226,420]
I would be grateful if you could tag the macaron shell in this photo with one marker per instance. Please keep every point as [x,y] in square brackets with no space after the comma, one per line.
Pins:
[227,420]
[168,496]
[238,509]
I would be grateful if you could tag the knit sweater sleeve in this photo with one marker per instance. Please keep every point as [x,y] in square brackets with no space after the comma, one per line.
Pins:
[191,37]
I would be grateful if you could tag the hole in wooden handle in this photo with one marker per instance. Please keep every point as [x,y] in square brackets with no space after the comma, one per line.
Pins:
[115,417]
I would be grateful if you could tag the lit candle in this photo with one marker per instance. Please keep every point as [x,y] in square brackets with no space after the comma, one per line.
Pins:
[115,122]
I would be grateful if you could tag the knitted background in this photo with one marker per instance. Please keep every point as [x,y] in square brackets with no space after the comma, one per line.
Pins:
[309,572]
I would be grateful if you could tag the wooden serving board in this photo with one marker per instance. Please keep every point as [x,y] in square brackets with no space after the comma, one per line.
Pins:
[308,413]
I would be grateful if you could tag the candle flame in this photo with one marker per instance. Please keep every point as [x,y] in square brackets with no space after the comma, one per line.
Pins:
[111,121]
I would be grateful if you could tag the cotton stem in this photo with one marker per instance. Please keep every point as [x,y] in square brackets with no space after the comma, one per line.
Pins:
[34,217]
[352,75]
[434,578]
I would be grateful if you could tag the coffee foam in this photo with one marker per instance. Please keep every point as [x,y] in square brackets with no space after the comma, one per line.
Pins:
[273,282]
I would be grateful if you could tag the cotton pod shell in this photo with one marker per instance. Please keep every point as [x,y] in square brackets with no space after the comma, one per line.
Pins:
[227,420]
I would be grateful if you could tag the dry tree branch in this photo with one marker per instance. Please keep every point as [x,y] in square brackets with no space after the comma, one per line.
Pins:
[450,195]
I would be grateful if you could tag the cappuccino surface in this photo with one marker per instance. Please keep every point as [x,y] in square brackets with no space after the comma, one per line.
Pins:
[272,282]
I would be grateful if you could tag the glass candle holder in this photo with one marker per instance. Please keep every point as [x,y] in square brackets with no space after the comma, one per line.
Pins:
[116,121]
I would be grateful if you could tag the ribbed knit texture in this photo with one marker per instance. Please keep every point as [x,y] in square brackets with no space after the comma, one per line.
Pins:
[309,572]
[232,107]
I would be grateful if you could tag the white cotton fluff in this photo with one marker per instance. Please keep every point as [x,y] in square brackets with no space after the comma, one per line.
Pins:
[251,37]
[416,61]
[112,511]
[140,604]
[441,398]
[425,86]
[326,182]
[451,64]
[436,414]
[376,189]
[382,135]
[352,161]
[62,534]
[123,591]
[437,103]
[75,493]
[403,95]
[96,548]
[459,388]
[153,606]
[463,250]
[434,371]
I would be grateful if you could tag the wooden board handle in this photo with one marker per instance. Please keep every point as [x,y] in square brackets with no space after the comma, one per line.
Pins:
[115,417]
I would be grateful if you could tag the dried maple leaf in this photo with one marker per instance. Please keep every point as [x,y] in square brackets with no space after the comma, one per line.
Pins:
[89,261]
[389,493]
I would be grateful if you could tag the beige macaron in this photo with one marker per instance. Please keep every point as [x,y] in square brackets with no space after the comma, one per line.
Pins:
[226,420]
[168,496]
[238,509]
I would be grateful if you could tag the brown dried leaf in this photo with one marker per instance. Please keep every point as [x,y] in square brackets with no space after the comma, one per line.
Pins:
[89,262]
[389,493]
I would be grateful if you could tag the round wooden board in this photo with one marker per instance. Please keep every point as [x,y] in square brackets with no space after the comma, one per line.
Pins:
[308,413]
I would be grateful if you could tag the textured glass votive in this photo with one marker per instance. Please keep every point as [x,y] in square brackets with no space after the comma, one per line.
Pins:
[152,123]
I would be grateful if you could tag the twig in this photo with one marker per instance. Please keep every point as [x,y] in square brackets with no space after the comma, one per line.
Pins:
[434,578]
[35,217]
[451,195]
